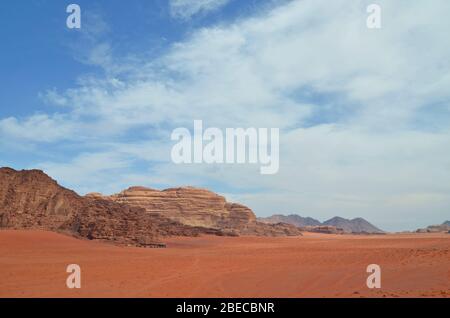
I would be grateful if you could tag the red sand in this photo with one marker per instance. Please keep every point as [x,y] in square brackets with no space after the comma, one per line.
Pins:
[33,264]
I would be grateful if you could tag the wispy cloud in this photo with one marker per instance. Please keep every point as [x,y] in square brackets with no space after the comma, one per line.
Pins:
[185,9]
[39,128]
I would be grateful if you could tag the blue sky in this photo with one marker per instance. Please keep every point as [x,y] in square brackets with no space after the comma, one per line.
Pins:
[364,114]
[40,49]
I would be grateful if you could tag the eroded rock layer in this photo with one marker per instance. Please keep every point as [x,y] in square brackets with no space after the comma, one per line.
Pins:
[190,206]
[199,207]
[32,200]
[29,199]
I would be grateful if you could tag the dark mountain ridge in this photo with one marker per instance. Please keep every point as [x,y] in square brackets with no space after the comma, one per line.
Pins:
[356,225]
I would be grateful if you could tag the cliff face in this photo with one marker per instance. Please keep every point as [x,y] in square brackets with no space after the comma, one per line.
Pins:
[137,216]
[190,206]
[200,208]
[31,199]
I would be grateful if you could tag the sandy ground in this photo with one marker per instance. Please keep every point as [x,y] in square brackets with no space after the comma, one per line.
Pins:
[33,264]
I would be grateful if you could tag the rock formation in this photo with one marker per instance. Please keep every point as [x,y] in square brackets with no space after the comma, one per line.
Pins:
[442,228]
[200,208]
[190,206]
[32,200]
[326,229]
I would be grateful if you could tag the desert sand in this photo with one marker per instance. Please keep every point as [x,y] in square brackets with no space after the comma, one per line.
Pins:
[33,264]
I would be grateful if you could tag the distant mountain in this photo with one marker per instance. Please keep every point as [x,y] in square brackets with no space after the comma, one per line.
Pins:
[446,223]
[293,219]
[357,225]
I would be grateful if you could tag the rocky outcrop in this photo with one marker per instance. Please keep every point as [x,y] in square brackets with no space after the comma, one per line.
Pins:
[336,225]
[326,229]
[29,199]
[190,206]
[442,228]
[32,200]
[198,207]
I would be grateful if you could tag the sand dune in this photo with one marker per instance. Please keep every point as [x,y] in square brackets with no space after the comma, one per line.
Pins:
[33,264]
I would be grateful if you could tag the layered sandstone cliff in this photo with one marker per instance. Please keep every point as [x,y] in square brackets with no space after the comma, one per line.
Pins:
[32,200]
[138,216]
[191,206]
[198,207]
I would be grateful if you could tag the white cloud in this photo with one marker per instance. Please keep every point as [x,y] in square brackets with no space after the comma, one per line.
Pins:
[88,170]
[52,97]
[185,9]
[347,99]
[38,128]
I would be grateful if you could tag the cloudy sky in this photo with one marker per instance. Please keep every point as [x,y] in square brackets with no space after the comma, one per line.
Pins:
[364,114]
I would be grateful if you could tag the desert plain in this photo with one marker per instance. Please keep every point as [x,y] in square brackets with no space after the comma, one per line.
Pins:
[33,264]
